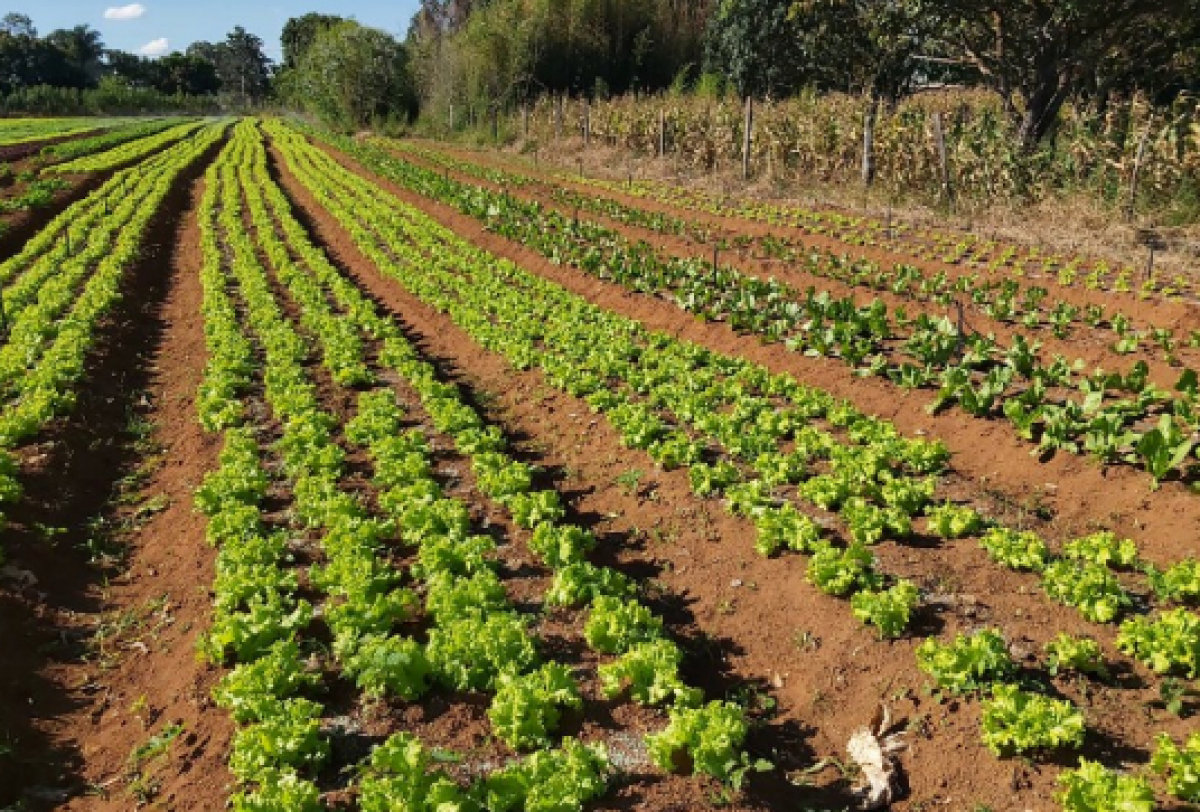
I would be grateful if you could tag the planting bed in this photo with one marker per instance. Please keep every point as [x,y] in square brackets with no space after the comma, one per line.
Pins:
[423,481]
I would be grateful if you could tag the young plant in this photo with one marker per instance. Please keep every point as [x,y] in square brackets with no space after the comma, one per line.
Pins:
[1017,721]
[1079,654]
[527,708]
[1094,788]
[706,740]
[969,663]
[1180,766]
[1015,549]
[890,610]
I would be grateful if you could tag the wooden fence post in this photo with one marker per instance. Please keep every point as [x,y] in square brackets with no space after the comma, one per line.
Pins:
[868,156]
[747,137]
[1137,172]
[662,133]
[939,140]
[451,116]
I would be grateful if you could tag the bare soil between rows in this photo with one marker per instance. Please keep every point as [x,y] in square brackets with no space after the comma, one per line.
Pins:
[1094,347]
[107,650]
[747,622]
[827,672]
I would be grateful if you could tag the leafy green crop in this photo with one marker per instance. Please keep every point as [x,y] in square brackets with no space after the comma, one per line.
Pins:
[1082,655]
[389,665]
[615,625]
[581,583]
[250,688]
[558,545]
[1015,549]
[1103,548]
[950,521]
[650,673]
[889,610]
[1090,588]
[287,735]
[969,663]
[1016,721]
[279,791]
[1093,788]
[705,740]
[525,708]
[400,776]
[841,572]
[561,780]
[785,528]
[1169,643]
[471,653]
[1180,765]
[1179,582]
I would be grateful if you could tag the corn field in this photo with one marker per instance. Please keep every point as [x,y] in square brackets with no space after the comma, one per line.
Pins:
[820,139]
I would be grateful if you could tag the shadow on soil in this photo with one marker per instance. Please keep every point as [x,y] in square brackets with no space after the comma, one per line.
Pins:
[70,477]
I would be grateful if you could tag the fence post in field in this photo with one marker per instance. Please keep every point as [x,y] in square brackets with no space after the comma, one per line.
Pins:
[868,154]
[451,116]
[587,123]
[662,133]
[1137,170]
[939,140]
[747,137]
[496,122]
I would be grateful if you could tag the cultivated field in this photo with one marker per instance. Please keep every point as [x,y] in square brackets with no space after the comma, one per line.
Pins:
[353,473]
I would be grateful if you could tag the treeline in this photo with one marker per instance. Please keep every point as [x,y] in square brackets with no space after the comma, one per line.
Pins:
[70,71]
[1033,54]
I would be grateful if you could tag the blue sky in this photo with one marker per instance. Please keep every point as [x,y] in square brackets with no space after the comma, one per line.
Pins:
[160,26]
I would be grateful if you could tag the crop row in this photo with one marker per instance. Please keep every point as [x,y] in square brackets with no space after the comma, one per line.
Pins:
[14,132]
[1117,418]
[611,362]
[81,147]
[476,639]
[1003,298]
[63,283]
[128,151]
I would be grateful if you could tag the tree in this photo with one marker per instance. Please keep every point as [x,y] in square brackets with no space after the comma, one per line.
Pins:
[18,25]
[179,74]
[863,46]
[83,49]
[352,75]
[755,43]
[299,33]
[1035,54]
[241,65]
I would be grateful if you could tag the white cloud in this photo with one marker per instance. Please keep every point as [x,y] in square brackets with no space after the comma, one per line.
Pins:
[155,47]
[129,12]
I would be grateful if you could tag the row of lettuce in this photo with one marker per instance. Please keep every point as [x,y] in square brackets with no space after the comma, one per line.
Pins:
[39,183]
[681,403]
[445,622]
[1003,297]
[1118,418]
[63,283]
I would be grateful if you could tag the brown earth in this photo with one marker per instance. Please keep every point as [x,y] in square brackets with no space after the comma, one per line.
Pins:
[749,624]
[772,628]
[1075,491]
[1094,346]
[111,647]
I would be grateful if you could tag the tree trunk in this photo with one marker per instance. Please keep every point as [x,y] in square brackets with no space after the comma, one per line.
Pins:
[1042,105]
